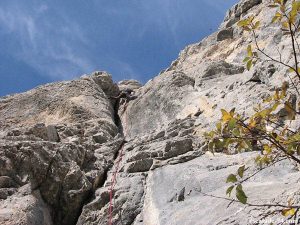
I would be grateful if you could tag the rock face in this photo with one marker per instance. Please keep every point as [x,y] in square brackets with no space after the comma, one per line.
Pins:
[57,142]
[61,144]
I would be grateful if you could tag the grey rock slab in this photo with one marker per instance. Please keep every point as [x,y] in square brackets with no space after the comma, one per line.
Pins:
[25,208]
[158,103]
[207,174]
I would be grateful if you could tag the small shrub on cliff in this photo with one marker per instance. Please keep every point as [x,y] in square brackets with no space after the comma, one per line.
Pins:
[265,130]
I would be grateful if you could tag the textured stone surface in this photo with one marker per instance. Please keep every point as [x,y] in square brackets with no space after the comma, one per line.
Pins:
[203,175]
[132,84]
[48,146]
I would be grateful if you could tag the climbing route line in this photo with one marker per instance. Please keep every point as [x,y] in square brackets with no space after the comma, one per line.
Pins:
[113,182]
[115,173]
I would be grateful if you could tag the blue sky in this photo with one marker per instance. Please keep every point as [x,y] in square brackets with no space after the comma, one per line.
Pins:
[49,40]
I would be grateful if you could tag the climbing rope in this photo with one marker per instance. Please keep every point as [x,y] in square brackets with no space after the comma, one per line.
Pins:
[114,176]
[113,182]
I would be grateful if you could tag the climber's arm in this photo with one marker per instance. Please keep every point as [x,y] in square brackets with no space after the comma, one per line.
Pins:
[112,97]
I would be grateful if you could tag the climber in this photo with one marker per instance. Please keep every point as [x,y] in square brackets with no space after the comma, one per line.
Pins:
[126,95]
[123,98]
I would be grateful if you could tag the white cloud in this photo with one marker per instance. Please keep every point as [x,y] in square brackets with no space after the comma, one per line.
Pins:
[50,40]
[45,46]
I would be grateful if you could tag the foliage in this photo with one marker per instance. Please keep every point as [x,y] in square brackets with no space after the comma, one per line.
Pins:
[265,130]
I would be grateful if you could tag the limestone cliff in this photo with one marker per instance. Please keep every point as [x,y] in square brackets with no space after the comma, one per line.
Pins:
[61,143]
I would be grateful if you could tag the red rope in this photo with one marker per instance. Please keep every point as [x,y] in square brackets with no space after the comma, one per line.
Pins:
[114,178]
[113,182]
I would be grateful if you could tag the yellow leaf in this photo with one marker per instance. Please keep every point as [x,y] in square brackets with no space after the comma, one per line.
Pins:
[252,123]
[288,212]
[278,14]
[285,24]
[267,149]
[225,115]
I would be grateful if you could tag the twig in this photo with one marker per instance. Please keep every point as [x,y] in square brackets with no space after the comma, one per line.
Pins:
[252,204]
[252,175]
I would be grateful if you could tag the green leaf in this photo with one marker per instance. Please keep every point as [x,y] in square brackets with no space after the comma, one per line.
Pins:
[219,127]
[243,23]
[291,70]
[249,65]
[240,194]
[236,132]
[229,190]
[267,149]
[241,171]
[246,59]
[295,137]
[231,124]
[256,25]
[249,51]
[219,144]
[231,178]
[275,18]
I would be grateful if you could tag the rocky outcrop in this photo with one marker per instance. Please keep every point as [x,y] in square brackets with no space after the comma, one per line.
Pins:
[57,143]
[62,144]
[129,84]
